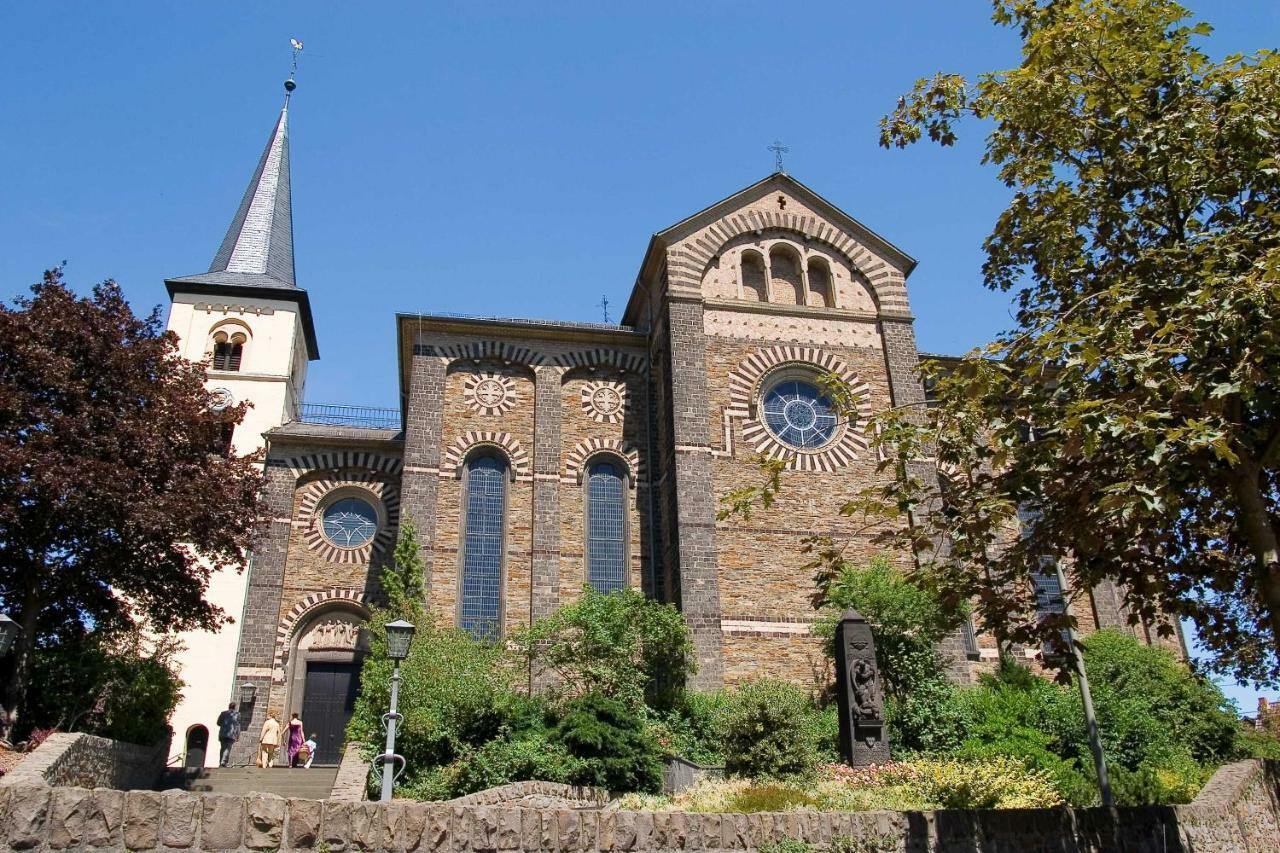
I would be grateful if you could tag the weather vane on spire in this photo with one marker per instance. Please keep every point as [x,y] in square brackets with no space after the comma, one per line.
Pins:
[289,85]
[603,305]
[778,150]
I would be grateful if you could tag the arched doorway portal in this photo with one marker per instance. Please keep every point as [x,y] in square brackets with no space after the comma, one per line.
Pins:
[196,746]
[324,677]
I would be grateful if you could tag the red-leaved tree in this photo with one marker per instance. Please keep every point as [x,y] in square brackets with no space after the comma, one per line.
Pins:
[117,500]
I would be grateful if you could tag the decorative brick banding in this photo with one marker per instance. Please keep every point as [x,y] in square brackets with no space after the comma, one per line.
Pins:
[304,608]
[357,484]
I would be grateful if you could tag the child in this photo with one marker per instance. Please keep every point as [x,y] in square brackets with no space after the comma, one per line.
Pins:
[310,747]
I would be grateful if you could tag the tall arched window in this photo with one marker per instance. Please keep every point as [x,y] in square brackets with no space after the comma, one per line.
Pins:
[486,502]
[606,527]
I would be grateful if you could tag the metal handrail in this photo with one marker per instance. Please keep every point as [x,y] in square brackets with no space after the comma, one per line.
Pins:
[350,416]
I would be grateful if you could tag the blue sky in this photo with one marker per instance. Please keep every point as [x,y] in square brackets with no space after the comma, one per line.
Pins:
[487,158]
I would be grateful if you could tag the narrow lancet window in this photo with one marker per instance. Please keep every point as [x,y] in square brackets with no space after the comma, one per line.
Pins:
[606,528]
[486,504]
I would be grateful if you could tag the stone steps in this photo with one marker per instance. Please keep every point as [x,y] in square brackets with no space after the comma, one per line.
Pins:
[313,784]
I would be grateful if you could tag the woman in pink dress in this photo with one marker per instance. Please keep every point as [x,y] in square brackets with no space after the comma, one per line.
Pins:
[295,739]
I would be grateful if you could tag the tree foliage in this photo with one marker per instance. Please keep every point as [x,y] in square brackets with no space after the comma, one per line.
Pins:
[1134,404]
[907,620]
[119,685]
[620,643]
[117,502]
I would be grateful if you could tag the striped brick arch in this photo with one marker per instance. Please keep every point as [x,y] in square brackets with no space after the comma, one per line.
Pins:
[373,487]
[514,451]
[373,462]
[483,350]
[747,382]
[577,458]
[354,598]
[687,264]
[600,357]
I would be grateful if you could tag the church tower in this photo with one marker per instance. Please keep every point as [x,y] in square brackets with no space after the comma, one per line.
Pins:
[250,321]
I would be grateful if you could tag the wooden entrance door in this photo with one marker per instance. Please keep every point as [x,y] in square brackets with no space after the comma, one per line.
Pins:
[327,704]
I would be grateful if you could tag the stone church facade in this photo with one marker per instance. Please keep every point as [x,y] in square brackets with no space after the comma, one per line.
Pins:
[537,457]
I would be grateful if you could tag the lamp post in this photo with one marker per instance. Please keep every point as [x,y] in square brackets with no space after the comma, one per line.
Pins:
[1086,699]
[399,636]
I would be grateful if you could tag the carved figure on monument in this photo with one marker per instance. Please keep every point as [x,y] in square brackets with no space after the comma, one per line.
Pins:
[858,695]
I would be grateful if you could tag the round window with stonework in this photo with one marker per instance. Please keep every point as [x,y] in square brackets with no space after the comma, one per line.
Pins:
[350,523]
[799,415]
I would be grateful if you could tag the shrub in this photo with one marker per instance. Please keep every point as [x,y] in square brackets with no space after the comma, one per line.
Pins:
[766,732]
[932,719]
[621,644]
[693,727]
[611,746]
[112,683]
[907,620]
[997,783]
[529,756]
[455,695]
[1151,785]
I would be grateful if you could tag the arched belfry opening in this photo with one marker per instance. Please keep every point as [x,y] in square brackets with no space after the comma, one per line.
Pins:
[785,279]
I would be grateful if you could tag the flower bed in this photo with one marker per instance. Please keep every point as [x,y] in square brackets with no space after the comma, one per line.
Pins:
[907,786]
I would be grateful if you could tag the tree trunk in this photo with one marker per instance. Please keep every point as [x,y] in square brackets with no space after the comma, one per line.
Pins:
[1261,536]
[23,647]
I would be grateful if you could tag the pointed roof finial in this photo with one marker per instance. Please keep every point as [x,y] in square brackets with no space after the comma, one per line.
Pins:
[778,150]
[290,85]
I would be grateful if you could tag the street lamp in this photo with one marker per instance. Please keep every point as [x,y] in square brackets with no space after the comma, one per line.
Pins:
[8,633]
[399,636]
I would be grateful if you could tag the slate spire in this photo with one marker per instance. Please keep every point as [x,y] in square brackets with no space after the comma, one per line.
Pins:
[255,260]
[260,239]
[258,248]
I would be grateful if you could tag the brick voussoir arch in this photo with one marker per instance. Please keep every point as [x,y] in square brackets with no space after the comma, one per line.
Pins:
[627,362]
[303,609]
[584,450]
[687,264]
[481,350]
[746,383]
[352,481]
[374,462]
[451,465]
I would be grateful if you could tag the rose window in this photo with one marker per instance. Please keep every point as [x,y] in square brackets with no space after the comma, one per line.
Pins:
[799,415]
[350,523]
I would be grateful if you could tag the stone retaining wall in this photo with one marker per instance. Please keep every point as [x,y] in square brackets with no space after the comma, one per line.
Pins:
[1237,813]
[87,761]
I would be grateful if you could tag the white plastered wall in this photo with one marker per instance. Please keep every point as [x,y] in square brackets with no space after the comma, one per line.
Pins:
[271,376]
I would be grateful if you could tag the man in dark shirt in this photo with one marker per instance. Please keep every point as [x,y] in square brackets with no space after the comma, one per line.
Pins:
[228,732]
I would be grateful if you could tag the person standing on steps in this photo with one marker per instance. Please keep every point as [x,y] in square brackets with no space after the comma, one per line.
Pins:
[269,742]
[228,733]
[295,739]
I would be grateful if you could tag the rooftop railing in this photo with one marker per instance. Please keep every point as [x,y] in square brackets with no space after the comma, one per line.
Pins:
[350,416]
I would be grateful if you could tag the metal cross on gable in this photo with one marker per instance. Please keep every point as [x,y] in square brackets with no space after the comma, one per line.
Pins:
[778,150]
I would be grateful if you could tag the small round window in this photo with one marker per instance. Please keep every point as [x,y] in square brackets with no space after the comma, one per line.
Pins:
[799,415]
[350,522]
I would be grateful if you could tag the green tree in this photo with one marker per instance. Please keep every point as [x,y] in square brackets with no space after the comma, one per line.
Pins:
[907,620]
[620,643]
[118,501]
[1134,403]
[402,579]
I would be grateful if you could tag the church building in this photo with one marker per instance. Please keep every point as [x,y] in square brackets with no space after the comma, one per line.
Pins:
[537,457]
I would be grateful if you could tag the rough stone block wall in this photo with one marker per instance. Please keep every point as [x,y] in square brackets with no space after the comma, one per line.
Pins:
[1239,812]
[87,761]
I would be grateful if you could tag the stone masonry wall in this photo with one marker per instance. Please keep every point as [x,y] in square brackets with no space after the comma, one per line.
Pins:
[1238,812]
[87,761]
